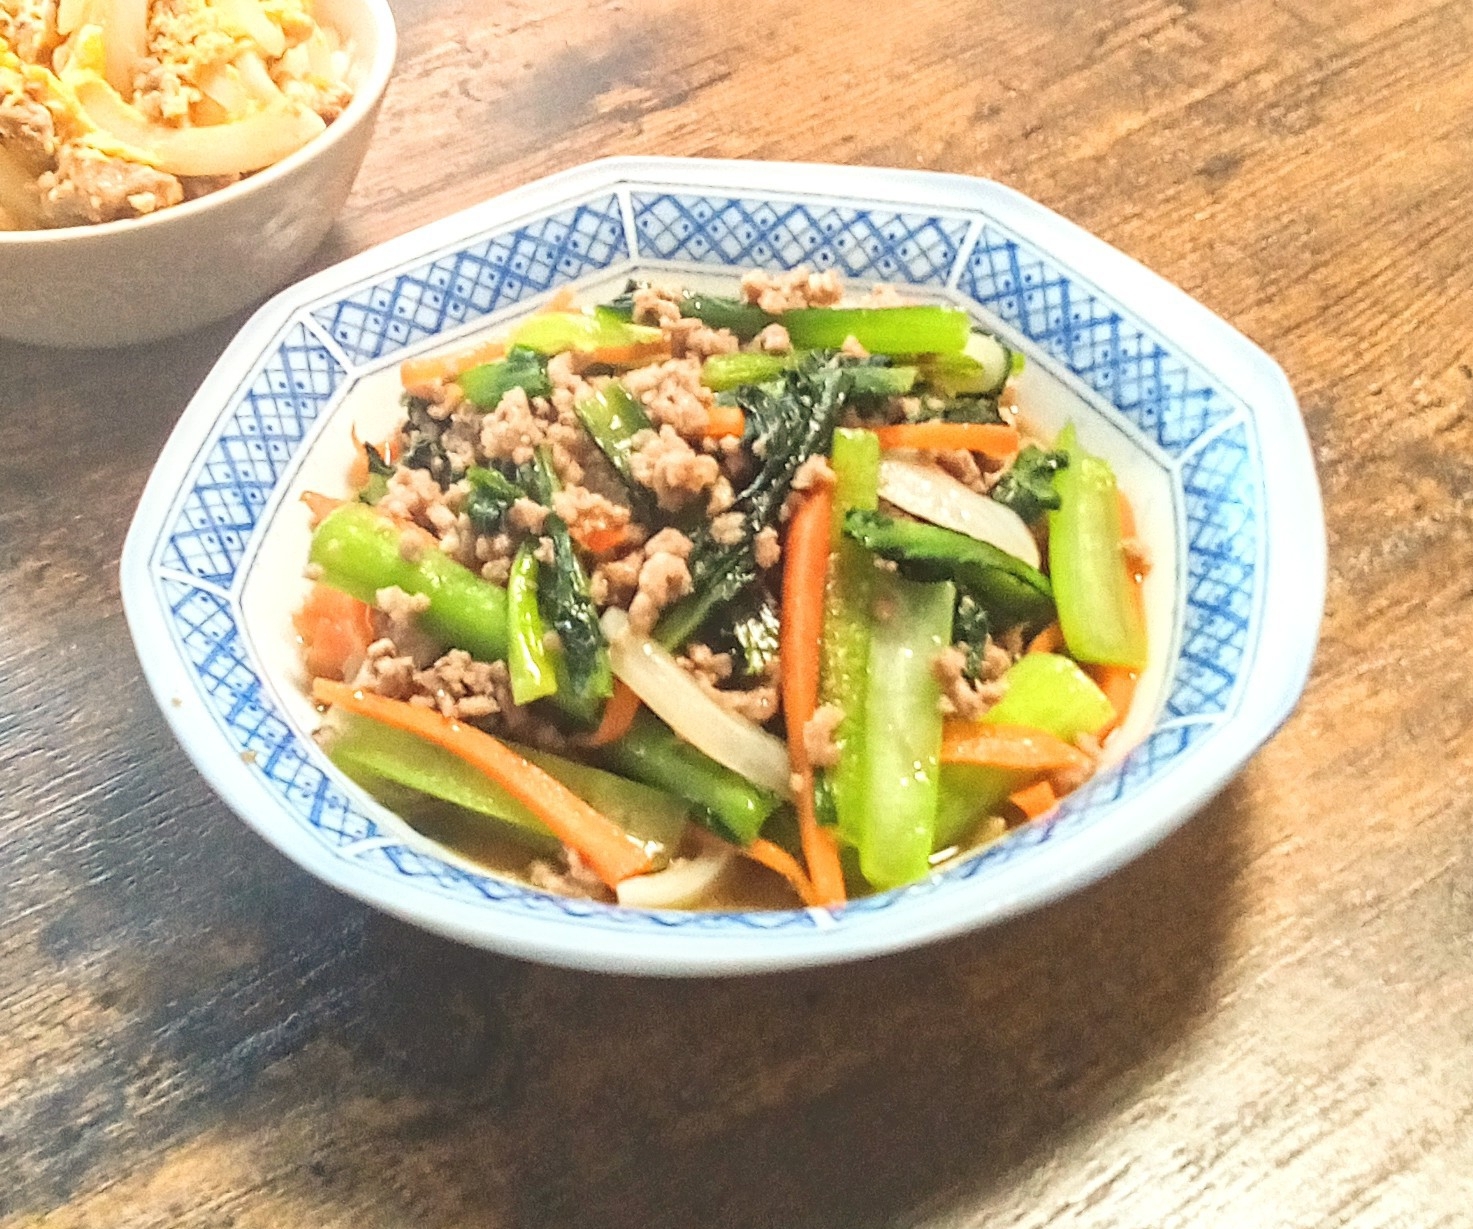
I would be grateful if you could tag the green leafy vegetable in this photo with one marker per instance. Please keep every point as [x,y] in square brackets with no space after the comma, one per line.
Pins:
[1004,586]
[613,418]
[1028,486]
[523,368]
[971,627]
[491,497]
[528,660]
[379,473]
[715,311]
[423,449]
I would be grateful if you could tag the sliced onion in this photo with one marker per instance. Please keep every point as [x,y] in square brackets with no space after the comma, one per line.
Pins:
[241,146]
[687,882]
[929,492]
[125,40]
[677,699]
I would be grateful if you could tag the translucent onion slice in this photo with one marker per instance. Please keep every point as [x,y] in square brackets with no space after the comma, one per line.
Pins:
[929,492]
[236,148]
[677,699]
[685,884]
[124,39]
[247,18]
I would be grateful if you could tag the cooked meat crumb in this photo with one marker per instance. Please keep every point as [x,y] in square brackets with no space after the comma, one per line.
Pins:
[818,735]
[573,878]
[512,432]
[773,340]
[90,186]
[767,548]
[672,394]
[664,578]
[781,292]
[527,515]
[671,468]
[814,472]
[961,696]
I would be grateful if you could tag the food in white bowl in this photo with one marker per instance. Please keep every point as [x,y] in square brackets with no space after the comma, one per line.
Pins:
[791,572]
[1197,424]
[165,164]
[115,109]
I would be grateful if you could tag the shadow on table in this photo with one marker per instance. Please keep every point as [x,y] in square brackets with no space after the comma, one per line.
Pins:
[857,1096]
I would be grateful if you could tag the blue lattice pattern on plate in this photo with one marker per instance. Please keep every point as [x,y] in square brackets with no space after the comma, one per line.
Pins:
[1169,401]
[883,245]
[248,456]
[477,280]
[207,632]
[1222,539]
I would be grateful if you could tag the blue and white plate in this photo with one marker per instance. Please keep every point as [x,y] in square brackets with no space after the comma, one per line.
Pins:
[1200,424]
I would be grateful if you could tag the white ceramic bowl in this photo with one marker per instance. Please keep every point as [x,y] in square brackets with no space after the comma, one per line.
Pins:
[1200,424]
[118,283]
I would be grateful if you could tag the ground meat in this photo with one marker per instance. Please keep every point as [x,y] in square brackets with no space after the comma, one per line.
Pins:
[727,529]
[690,338]
[773,340]
[441,397]
[385,671]
[569,877]
[196,186]
[88,186]
[410,496]
[461,687]
[512,432]
[656,304]
[586,512]
[963,697]
[671,468]
[853,347]
[29,26]
[664,578]
[400,608]
[27,132]
[766,547]
[974,470]
[818,735]
[756,703]
[527,515]
[614,581]
[328,98]
[780,292]
[672,393]
[814,472]
[493,552]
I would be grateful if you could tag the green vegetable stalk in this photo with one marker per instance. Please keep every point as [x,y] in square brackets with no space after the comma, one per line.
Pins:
[372,753]
[613,418]
[902,717]
[880,330]
[359,552]
[553,332]
[1098,610]
[651,752]
[1008,589]
[744,319]
[723,372]
[528,660]
[844,665]
[1044,691]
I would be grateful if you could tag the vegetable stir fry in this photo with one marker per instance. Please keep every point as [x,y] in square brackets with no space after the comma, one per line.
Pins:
[113,109]
[684,596]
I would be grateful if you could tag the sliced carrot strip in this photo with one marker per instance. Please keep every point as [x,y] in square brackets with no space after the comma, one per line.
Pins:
[1034,800]
[563,300]
[335,629]
[726,421]
[1009,746]
[805,567]
[634,355]
[611,852]
[1050,640]
[776,858]
[994,439]
[1119,684]
[320,505]
[601,539]
[433,367]
[618,715]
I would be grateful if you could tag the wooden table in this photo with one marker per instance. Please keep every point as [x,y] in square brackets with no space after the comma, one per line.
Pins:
[1265,1022]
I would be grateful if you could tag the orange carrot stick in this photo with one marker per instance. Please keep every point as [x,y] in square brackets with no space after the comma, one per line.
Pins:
[1009,746]
[805,567]
[563,300]
[610,851]
[335,629]
[1050,640]
[993,439]
[431,367]
[776,858]
[1033,800]
[618,715]
[726,421]
[636,354]
[1119,684]
[600,539]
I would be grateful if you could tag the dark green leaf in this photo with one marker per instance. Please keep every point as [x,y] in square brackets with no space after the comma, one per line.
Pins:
[1028,486]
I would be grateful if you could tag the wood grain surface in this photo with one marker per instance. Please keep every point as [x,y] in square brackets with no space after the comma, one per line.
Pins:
[1267,1021]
